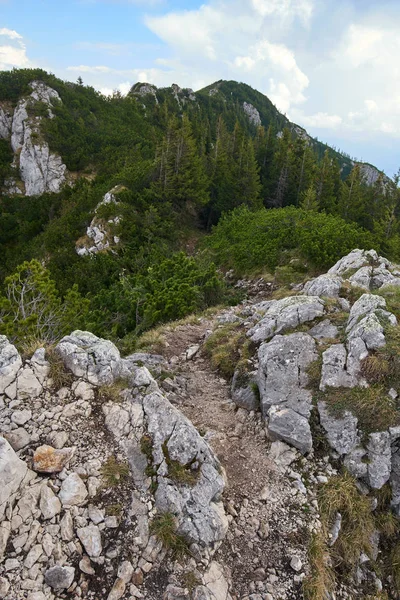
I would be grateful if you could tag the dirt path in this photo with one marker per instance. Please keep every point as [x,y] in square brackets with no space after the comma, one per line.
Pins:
[267,512]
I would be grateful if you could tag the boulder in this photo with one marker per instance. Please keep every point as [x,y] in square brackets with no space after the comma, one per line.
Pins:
[282,372]
[365,305]
[325,285]
[198,508]
[288,426]
[355,260]
[379,459]
[51,460]
[324,330]
[90,357]
[284,314]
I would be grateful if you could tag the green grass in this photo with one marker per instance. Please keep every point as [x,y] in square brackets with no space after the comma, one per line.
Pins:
[179,473]
[228,348]
[321,579]
[114,473]
[164,527]
[384,365]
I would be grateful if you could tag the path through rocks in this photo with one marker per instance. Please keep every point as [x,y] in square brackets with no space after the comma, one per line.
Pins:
[269,508]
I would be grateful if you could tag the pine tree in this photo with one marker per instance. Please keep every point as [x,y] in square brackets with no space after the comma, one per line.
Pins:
[309,199]
[352,198]
[328,184]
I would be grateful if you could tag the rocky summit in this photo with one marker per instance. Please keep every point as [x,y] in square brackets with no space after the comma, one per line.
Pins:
[151,476]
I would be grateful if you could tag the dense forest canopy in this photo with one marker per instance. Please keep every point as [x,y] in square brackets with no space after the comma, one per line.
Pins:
[183,162]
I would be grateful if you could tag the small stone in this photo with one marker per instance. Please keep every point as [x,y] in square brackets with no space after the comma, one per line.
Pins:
[111,522]
[90,537]
[58,439]
[18,438]
[67,527]
[49,504]
[4,587]
[51,460]
[192,351]
[86,566]
[125,571]
[117,590]
[36,596]
[59,578]
[11,564]
[95,514]
[73,490]
[33,556]
[296,564]
[20,417]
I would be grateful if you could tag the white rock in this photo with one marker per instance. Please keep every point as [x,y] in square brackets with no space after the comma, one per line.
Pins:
[296,564]
[33,556]
[28,385]
[10,363]
[12,473]
[90,537]
[49,504]
[73,490]
[20,417]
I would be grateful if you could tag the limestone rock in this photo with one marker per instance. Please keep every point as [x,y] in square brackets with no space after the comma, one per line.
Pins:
[365,305]
[252,113]
[90,357]
[285,314]
[5,123]
[90,537]
[49,504]
[73,491]
[50,460]
[18,438]
[20,417]
[4,587]
[10,363]
[355,260]
[215,581]
[59,578]
[282,372]
[341,433]
[287,425]
[379,455]
[200,514]
[341,369]
[325,285]
[324,330]
[244,390]
[12,473]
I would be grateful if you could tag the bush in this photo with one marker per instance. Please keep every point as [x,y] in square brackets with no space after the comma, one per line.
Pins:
[249,242]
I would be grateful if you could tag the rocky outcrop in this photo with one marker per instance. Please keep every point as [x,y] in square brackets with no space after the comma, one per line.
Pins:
[57,532]
[281,315]
[99,235]
[40,170]
[252,113]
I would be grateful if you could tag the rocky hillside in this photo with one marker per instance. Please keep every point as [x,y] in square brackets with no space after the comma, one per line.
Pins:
[153,476]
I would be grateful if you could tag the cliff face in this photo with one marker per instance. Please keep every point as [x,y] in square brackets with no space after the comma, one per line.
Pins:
[37,169]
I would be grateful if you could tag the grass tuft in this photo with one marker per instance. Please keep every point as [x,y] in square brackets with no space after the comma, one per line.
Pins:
[226,347]
[341,495]
[384,365]
[114,472]
[179,473]
[112,393]
[321,579]
[58,373]
[372,406]
[164,527]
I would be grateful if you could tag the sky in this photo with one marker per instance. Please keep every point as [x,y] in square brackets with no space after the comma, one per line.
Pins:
[332,66]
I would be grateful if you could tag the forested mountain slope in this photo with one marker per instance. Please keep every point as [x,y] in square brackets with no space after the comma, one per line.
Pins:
[110,195]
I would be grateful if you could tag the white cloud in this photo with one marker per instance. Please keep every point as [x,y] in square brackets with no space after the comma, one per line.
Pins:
[236,41]
[322,120]
[91,69]
[12,50]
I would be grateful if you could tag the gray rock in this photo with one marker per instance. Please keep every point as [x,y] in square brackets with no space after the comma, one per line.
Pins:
[335,529]
[4,587]
[379,455]
[49,504]
[362,278]
[20,417]
[354,261]
[324,330]
[200,514]
[395,480]
[90,537]
[356,463]
[202,593]
[244,390]
[287,425]
[13,471]
[340,369]
[33,556]
[10,363]
[284,314]
[73,491]
[5,123]
[90,357]
[28,385]
[215,581]
[18,438]
[325,285]
[365,305]
[370,331]
[341,433]
[59,578]
[282,372]
[5,531]
[36,596]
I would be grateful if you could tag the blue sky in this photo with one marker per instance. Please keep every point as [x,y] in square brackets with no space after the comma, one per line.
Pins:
[331,66]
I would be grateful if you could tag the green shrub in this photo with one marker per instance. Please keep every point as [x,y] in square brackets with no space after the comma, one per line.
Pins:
[249,242]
